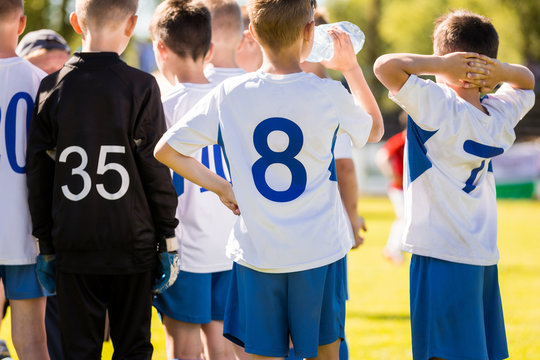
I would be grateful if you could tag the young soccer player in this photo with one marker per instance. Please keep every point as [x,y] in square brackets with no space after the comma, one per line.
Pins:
[102,208]
[227,32]
[20,81]
[44,48]
[277,128]
[450,205]
[181,32]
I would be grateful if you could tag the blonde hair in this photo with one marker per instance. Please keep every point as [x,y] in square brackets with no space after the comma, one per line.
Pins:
[227,19]
[104,12]
[279,23]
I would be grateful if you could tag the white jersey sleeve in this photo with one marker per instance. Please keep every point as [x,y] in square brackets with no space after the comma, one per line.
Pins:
[20,82]
[343,148]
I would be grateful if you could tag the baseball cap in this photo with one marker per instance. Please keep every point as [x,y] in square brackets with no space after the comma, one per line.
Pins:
[41,39]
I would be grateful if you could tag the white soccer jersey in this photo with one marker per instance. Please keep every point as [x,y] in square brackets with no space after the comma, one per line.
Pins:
[277,132]
[343,148]
[450,200]
[205,223]
[217,75]
[20,82]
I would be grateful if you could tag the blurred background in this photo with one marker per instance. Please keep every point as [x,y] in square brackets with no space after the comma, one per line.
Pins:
[389,26]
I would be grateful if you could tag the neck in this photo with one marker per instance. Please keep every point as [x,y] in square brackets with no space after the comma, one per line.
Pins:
[102,42]
[8,46]
[285,61]
[7,52]
[224,57]
[186,70]
[472,96]
[315,68]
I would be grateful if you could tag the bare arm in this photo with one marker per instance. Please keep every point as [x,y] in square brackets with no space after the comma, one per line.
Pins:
[197,173]
[517,76]
[462,69]
[348,189]
[344,60]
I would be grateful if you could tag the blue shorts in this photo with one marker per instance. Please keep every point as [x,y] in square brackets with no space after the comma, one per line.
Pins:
[20,282]
[196,298]
[456,311]
[264,309]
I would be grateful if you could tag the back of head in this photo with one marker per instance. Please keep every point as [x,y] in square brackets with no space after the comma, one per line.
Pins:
[183,26]
[462,30]
[279,23]
[227,22]
[8,7]
[321,16]
[104,13]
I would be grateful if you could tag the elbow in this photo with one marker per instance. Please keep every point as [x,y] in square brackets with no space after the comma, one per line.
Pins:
[382,65]
[159,151]
[376,135]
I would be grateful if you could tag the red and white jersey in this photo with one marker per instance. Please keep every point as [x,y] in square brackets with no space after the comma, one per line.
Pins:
[205,223]
[20,82]
[278,133]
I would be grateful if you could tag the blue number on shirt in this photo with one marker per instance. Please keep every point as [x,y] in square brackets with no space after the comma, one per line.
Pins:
[11,128]
[482,151]
[286,157]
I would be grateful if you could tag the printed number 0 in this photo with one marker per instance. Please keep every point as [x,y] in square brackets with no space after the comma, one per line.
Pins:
[286,157]
[102,169]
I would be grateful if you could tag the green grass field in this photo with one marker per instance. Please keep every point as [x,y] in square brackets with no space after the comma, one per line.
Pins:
[378,309]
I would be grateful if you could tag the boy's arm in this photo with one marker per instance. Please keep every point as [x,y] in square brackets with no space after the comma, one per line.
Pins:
[40,177]
[197,173]
[461,68]
[517,76]
[155,177]
[344,60]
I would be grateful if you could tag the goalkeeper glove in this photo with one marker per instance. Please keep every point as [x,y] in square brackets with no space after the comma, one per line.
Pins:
[46,272]
[168,265]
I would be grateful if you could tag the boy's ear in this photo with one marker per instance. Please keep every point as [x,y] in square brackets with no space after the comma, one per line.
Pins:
[130,25]
[74,21]
[252,32]
[22,25]
[309,31]
[209,53]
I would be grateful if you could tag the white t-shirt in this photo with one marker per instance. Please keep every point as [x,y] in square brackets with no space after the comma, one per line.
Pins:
[20,82]
[343,148]
[277,132]
[205,223]
[450,200]
[216,75]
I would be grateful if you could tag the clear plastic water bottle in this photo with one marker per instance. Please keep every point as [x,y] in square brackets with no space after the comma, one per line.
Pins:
[323,45]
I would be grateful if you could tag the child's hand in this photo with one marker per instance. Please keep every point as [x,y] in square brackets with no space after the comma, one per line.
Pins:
[465,69]
[228,199]
[494,71]
[358,224]
[344,58]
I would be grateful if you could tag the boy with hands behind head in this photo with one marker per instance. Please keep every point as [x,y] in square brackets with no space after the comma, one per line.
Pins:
[450,202]
[277,128]
[102,207]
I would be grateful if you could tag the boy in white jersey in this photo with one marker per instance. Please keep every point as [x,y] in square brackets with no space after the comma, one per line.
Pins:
[277,128]
[227,33]
[181,33]
[20,81]
[450,202]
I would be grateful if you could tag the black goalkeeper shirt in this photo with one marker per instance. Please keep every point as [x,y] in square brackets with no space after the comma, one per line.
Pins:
[104,202]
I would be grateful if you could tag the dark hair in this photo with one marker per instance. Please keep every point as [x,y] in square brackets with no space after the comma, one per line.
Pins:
[7,6]
[183,26]
[462,30]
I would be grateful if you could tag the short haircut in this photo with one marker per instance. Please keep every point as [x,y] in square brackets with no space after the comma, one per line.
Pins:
[183,26]
[8,6]
[279,23]
[104,12]
[245,17]
[227,19]
[462,30]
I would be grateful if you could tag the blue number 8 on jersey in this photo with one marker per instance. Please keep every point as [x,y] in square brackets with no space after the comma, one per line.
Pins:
[286,157]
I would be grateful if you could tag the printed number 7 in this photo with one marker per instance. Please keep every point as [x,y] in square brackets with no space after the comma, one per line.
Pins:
[482,151]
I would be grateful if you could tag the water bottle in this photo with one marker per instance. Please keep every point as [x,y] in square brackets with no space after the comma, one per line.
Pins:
[323,45]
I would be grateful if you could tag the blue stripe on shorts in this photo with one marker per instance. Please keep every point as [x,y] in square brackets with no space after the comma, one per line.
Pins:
[20,282]
[264,309]
[456,311]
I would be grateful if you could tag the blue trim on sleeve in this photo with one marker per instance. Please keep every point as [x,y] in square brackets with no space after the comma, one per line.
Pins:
[490,166]
[178,182]
[416,150]
[332,168]
[222,144]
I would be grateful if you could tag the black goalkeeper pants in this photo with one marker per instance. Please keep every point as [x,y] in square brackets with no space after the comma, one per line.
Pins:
[82,301]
